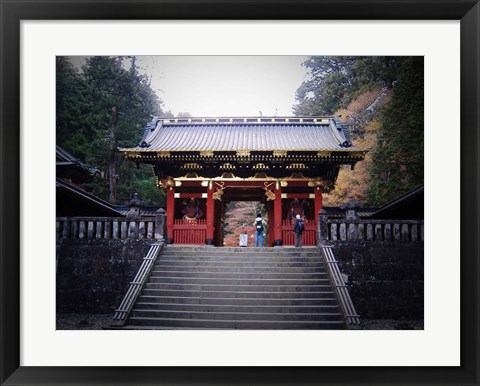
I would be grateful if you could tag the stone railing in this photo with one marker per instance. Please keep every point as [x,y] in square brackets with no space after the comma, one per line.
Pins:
[111,227]
[122,312]
[342,230]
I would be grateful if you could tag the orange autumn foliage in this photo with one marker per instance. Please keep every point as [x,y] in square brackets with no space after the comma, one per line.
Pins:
[363,126]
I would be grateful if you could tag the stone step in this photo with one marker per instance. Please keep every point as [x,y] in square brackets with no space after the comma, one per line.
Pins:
[238,281]
[262,287]
[242,256]
[196,307]
[199,287]
[261,316]
[233,324]
[234,264]
[218,256]
[237,250]
[238,275]
[242,269]
[327,299]
[237,294]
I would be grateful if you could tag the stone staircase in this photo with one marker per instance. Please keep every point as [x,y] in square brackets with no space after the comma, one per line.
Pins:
[194,287]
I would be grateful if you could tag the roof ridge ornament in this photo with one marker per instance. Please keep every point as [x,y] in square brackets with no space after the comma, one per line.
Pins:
[322,120]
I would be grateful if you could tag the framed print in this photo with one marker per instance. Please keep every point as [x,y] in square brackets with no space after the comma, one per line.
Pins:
[34,34]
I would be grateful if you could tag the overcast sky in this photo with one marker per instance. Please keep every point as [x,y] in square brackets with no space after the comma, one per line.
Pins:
[225,85]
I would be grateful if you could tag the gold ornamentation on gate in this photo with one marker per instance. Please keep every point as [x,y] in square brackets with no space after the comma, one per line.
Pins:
[217,195]
[296,166]
[163,154]
[167,183]
[279,153]
[325,185]
[260,166]
[191,166]
[206,153]
[227,175]
[243,153]
[324,153]
[227,166]
[260,175]
[268,193]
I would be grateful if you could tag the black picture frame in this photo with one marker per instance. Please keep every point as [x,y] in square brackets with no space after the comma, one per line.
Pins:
[12,12]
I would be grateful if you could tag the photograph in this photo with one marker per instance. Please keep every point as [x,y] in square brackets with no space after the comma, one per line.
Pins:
[240,192]
[252,194]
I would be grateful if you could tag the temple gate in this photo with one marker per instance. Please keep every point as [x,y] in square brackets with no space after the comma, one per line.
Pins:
[202,163]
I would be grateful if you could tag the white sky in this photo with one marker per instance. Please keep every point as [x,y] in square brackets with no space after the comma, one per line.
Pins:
[224,85]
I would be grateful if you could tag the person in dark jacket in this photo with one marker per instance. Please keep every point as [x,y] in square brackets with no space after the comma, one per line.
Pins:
[298,228]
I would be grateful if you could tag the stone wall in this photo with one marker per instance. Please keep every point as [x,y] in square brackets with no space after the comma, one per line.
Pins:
[93,275]
[386,280]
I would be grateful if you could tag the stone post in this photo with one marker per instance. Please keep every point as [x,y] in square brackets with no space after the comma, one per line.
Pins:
[322,227]
[170,214]
[160,224]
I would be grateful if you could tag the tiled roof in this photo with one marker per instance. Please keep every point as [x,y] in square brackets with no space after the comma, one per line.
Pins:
[94,202]
[231,134]
[64,158]
[336,211]
[408,205]
[144,211]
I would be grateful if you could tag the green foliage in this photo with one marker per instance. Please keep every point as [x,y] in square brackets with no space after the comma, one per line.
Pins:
[334,81]
[68,99]
[398,157]
[103,107]
[349,86]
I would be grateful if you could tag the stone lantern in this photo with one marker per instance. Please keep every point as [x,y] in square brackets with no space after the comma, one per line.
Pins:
[351,209]
[134,205]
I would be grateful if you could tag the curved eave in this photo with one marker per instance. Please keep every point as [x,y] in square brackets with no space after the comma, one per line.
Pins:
[146,155]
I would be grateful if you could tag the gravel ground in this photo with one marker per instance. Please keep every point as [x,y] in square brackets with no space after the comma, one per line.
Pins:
[83,321]
[100,321]
[389,324]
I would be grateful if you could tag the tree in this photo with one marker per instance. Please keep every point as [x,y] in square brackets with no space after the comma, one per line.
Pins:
[364,123]
[381,100]
[398,156]
[334,81]
[111,103]
[68,99]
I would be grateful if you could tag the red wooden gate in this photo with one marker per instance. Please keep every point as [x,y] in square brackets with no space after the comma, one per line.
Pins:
[309,236]
[189,232]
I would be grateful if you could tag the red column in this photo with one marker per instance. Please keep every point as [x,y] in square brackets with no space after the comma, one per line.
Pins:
[318,204]
[170,214]
[277,215]
[210,215]
[271,221]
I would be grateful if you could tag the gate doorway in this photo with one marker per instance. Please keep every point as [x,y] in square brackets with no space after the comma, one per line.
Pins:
[238,219]
[199,211]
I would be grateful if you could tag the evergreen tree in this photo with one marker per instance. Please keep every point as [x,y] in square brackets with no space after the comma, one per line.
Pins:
[108,109]
[334,81]
[360,89]
[68,99]
[398,156]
